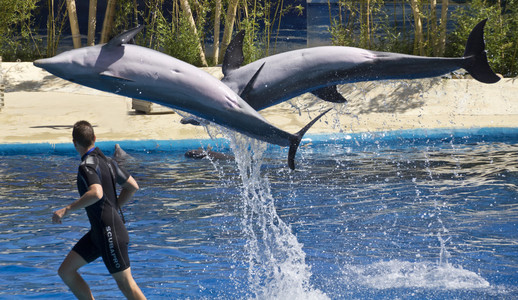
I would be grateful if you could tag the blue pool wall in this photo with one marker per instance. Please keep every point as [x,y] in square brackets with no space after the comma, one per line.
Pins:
[501,134]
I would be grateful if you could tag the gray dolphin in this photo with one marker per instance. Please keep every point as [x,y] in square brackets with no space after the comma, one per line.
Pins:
[120,156]
[318,70]
[126,69]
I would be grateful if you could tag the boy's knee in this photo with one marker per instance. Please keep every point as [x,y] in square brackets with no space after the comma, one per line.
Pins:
[66,271]
[63,273]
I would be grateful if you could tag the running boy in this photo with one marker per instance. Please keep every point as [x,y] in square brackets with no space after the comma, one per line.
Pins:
[108,237]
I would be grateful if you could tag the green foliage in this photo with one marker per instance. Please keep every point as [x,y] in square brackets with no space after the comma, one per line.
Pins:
[253,44]
[350,27]
[17,34]
[165,30]
[501,33]
[168,29]
[261,21]
[181,42]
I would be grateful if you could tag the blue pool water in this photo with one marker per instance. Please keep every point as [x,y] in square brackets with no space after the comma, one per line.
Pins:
[405,215]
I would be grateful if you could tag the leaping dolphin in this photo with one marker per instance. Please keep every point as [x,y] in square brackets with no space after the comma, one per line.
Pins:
[318,70]
[137,72]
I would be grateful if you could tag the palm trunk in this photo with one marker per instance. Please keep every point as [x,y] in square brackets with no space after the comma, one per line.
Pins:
[74,25]
[418,42]
[217,18]
[368,22]
[92,20]
[188,13]
[433,38]
[229,26]
[108,21]
[51,30]
[442,28]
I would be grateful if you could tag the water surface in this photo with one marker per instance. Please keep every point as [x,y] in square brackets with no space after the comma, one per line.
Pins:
[405,215]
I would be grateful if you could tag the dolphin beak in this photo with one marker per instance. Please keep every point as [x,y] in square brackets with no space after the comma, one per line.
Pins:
[47,64]
[39,63]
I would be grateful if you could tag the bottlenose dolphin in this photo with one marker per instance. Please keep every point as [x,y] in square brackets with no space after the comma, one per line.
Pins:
[318,70]
[126,69]
[120,156]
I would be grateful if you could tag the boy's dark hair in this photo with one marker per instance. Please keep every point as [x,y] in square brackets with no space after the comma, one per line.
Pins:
[83,134]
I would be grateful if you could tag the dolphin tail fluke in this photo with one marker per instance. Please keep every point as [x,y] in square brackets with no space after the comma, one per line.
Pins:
[476,58]
[295,142]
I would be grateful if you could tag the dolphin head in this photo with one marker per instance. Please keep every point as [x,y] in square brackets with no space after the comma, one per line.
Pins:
[71,65]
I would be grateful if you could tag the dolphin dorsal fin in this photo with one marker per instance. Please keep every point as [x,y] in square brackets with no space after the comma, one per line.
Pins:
[250,84]
[234,54]
[125,37]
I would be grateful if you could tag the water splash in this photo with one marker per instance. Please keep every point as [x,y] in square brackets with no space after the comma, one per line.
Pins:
[275,259]
[401,274]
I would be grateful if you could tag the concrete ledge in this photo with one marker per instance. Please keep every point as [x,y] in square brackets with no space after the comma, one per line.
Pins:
[40,108]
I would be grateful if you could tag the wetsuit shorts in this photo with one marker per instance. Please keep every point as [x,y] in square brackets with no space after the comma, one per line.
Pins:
[111,247]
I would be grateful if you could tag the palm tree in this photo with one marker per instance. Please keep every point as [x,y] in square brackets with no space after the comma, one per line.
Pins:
[92,20]
[74,26]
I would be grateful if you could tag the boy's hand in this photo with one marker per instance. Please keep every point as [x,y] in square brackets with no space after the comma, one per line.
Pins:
[58,215]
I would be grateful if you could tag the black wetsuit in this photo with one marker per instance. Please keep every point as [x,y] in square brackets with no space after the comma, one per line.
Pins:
[108,236]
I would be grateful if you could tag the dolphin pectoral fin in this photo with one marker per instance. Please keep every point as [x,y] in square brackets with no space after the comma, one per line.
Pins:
[295,142]
[330,94]
[476,59]
[193,121]
[125,37]
[109,76]
[250,84]
[234,54]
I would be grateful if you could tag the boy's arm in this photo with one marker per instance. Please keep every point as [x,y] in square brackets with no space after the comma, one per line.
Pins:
[94,194]
[128,190]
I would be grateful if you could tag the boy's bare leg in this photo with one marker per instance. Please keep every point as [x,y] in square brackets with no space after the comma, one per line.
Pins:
[127,285]
[68,273]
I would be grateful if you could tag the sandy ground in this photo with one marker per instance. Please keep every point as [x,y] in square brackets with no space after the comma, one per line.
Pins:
[41,108]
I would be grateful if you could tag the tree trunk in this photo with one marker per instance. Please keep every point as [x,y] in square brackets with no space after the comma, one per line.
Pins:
[442,28]
[217,18]
[51,30]
[135,12]
[108,21]
[368,22]
[188,13]
[433,37]
[229,26]
[418,42]
[74,25]
[92,20]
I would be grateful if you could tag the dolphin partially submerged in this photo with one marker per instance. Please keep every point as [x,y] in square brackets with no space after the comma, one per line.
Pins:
[318,70]
[126,69]
[120,156]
